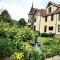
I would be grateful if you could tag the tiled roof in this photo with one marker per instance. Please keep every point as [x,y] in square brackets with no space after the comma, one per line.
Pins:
[43,11]
[56,11]
[52,4]
[32,11]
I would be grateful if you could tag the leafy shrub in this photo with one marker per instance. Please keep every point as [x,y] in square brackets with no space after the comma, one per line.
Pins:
[7,47]
[27,47]
[44,35]
[51,49]
[47,35]
[25,34]
[17,56]
[36,54]
[12,37]
[27,50]
[38,32]
[52,34]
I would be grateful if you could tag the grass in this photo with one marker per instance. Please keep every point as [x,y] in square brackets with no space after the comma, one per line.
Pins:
[51,46]
[44,39]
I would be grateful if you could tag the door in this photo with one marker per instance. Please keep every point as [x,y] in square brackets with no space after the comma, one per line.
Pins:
[45,28]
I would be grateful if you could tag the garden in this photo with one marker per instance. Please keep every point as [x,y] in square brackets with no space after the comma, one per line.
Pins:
[15,42]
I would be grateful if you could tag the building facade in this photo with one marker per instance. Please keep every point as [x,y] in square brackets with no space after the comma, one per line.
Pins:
[45,20]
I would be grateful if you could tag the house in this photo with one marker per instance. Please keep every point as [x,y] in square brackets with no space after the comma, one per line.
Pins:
[45,20]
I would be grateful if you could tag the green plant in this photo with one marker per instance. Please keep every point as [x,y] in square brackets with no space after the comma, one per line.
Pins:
[17,56]
[22,22]
[35,54]
[12,38]
[47,35]
[7,47]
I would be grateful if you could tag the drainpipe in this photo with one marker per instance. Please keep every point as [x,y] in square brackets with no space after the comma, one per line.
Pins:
[32,23]
[39,25]
[56,24]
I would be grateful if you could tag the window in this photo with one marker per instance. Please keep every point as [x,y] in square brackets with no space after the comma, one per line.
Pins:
[52,17]
[50,28]
[29,21]
[45,28]
[58,28]
[30,16]
[34,28]
[49,9]
[59,17]
[35,20]
[46,19]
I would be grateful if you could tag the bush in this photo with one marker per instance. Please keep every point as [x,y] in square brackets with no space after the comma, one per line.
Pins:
[47,34]
[7,47]
[51,49]
[17,56]
[52,34]
[24,34]
[38,32]
[37,54]
[12,37]
[44,35]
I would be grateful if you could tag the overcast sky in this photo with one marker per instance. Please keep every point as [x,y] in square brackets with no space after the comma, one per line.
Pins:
[20,8]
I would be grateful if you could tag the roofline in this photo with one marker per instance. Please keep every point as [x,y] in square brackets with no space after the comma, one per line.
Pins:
[52,4]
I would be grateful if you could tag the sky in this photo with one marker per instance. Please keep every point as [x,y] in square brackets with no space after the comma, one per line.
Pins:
[20,8]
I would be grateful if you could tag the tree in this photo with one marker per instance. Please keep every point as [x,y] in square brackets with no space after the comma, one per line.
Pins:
[5,16]
[22,22]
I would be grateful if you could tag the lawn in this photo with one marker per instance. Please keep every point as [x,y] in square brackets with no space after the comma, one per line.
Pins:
[45,39]
[51,46]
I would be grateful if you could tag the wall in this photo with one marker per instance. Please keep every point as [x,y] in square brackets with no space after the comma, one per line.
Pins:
[57,23]
[53,8]
[37,23]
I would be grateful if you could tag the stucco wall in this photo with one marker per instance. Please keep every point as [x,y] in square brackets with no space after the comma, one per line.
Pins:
[40,23]
[53,8]
[37,23]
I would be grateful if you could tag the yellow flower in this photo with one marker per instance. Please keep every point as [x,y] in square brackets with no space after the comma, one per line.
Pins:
[17,56]
[27,47]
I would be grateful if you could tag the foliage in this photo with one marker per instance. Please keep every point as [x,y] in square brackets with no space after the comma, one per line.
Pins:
[51,47]
[22,22]
[25,34]
[5,16]
[12,38]
[27,47]
[15,22]
[17,56]
[37,54]
[47,35]
[15,33]
[7,47]
[15,42]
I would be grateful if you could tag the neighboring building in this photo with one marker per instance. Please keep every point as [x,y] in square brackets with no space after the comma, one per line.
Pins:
[45,20]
